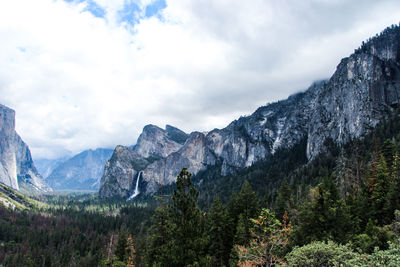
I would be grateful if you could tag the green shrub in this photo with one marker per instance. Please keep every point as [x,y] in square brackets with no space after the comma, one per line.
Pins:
[321,254]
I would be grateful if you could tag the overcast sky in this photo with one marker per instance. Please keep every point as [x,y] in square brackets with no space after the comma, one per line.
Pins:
[91,73]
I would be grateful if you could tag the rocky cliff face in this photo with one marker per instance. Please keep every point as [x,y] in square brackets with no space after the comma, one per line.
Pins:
[157,143]
[120,172]
[16,165]
[81,172]
[364,89]
[153,145]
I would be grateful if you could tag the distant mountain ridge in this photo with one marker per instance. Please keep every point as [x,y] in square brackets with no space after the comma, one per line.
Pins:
[17,169]
[46,166]
[80,172]
[364,90]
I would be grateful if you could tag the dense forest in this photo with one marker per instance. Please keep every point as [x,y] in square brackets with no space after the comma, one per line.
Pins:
[343,208]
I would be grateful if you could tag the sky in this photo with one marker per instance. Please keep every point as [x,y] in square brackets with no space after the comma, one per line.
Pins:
[83,74]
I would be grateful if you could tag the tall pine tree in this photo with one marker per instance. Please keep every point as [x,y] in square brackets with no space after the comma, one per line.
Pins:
[219,224]
[181,223]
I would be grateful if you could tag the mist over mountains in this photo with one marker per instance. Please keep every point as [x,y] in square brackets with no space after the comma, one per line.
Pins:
[364,90]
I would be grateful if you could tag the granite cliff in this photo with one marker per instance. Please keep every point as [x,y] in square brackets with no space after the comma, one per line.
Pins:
[364,89]
[17,169]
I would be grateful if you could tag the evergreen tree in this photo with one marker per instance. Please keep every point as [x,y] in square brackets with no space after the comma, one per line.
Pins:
[393,202]
[248,201]
[120,250]
[323,216]
[233,209]
[188,243]
[283,200]
[242,235]
[183,228]
[248,207]
[379,188]
[388,152]
[218,229]
[161,233]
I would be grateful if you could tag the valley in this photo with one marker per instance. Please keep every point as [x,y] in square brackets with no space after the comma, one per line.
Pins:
[312,180]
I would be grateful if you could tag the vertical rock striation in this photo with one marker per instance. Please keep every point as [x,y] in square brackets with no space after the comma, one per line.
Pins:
[364,89]
[16,165]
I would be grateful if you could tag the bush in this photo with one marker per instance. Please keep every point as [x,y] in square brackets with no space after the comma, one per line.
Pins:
[321,254]
[389,257]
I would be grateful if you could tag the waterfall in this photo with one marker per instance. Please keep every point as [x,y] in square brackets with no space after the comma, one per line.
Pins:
[136,192]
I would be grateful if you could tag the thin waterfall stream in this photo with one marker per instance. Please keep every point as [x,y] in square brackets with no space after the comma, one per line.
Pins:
[136,192]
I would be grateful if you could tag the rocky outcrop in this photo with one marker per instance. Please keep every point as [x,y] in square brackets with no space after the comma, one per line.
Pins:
[81,172]
[364,89]
[194,155]
[16,165]
[157,143]
[153,145]
[120,172]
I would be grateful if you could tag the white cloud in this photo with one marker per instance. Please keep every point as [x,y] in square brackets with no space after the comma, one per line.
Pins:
[77,81]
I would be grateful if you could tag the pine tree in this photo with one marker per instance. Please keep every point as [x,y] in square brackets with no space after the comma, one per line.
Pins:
[380,191]
[323,216]
[188,243]
[242,235]
[178,229]
[248,201]
[283,200]
[388,152]
[248,207]
[393,202]
[161,234]
[218,227]
[120,250]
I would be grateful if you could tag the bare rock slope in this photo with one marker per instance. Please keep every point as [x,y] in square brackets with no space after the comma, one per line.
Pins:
[364,89]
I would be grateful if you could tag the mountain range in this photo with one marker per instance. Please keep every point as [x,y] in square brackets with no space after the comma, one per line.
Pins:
[364,90]
[80,172]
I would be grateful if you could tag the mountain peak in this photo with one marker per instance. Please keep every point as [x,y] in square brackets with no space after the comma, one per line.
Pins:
[155,142]
[360,94]
[385,45]
[176,134]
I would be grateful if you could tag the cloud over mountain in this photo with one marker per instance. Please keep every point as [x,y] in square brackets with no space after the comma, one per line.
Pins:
[86,74]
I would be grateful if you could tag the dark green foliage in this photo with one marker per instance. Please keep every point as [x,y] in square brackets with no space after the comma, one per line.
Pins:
[393,198]
[122,244]
[324,216]
[283,200]
[245,208]
[183,242]
[388,152]
[379,191]
[347,194]
[187,220]
[160,234]
[218,228]
[66,235]
[242,235]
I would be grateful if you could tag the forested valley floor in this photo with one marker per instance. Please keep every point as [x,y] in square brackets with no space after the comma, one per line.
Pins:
[340,209]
